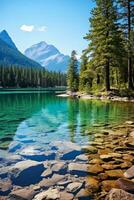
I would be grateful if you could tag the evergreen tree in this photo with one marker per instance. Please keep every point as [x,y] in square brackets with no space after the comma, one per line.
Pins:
[18,76]
[83,68]
[126,11]
[72,73]
[105,39]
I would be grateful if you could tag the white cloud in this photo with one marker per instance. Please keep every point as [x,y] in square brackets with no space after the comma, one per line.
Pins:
[42,29]
[31,28]
[27,28]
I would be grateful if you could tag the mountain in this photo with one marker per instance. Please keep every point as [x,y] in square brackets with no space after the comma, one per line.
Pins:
[7,39]
[10,55]
[48,56]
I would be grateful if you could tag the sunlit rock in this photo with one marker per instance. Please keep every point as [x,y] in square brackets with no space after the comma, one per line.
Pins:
[26,172]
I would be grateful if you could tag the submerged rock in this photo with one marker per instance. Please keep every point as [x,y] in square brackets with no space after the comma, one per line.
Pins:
[26,172]
[83,194]
[47,173]
[89,149]
[4,172]
[66,196]
[78,168]
[110,156]
[107,185]
[92,184]
[66,150]
[96,161]
[64,183]
[22,194]
[52,194]
[117,194]
[5,186]
[46,183]
[82,158]
[106,157]
[59,167]
[69,154]
[114,173]
[14,146]
[34,154]
[74,187]
[95,169]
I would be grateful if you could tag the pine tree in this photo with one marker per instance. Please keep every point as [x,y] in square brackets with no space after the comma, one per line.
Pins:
[72,73]
[83,68]
[105,38]
[126,11]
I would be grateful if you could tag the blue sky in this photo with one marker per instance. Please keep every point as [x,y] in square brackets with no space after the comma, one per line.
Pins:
[62,23]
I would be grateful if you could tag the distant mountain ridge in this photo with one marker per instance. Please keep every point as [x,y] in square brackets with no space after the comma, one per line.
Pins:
[48,56]
[10,55]
[7,39]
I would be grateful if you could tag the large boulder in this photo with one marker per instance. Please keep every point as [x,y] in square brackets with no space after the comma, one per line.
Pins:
[26,172]
[117,194]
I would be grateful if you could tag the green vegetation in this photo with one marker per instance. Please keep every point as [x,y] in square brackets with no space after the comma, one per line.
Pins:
[108,62]
[16,76]
[72,73]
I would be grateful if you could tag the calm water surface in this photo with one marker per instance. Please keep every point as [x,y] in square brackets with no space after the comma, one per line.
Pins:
[40,118]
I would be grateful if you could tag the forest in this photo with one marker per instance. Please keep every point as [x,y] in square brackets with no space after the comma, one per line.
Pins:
[108,61]
[16,76]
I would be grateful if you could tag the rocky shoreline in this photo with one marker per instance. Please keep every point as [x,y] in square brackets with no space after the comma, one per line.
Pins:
[110,96]
[103,169]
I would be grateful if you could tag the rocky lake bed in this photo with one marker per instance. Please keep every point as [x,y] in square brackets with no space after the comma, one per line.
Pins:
[101,169]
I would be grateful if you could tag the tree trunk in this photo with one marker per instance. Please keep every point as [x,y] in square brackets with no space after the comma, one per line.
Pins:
[130,83]
[107,78]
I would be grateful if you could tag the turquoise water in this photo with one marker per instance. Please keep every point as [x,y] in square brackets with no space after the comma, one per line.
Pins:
[40,118]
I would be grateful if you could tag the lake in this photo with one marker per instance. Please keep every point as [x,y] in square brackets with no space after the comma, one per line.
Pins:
[38,118]
[54,144]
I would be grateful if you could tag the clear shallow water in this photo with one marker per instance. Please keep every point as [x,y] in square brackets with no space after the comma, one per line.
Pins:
[38,118]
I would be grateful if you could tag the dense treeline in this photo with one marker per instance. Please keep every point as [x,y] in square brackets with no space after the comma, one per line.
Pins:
[108,61]
[16,76]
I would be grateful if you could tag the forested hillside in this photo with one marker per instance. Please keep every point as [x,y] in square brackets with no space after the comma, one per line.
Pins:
[17,76]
